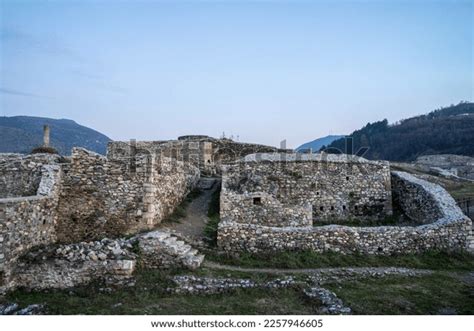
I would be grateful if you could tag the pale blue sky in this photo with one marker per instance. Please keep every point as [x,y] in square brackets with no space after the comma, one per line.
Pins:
[265,71]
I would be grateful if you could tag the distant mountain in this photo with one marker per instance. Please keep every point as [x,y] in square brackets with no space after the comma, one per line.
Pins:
[316,144]
[20,134]
[447,130]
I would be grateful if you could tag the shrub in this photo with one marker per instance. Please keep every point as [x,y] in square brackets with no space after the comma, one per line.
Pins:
[43,149]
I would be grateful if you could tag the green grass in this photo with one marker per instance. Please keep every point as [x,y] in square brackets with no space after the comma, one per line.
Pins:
[210,231]
[148,296]
[439,293]
[463,190]
[294,260]
[180,211]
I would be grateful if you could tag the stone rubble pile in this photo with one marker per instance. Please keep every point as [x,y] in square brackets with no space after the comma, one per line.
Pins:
[335,275]
[110,260]
[331,304]
[101,250]
[71,265]
[190,284]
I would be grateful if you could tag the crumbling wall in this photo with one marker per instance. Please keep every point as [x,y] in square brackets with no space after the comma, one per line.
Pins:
[206,153]
[415,200]
[449,229]
[112,261]
[102,197]
[65,266]
[86,199]
[98,198]
[334,187]
[30,221]
[20,175]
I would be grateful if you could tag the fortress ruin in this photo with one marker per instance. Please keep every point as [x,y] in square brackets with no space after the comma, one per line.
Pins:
[56,211]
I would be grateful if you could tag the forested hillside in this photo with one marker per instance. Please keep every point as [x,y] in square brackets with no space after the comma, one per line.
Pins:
[447,130]
[20,134]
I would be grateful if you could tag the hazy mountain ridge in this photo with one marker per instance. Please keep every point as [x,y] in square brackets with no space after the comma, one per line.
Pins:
[316,144]
[20,134]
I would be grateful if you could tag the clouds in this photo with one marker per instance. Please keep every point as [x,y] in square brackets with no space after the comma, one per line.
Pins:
[20,93]
[46,44]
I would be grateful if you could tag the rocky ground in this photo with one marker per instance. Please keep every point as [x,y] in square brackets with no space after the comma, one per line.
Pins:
[14,309]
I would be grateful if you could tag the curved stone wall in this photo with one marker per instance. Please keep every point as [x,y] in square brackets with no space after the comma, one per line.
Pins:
[446,228]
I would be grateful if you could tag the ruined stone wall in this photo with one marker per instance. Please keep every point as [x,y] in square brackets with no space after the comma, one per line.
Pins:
[269,211]
[331,188]
[226,151]
[85,199]
[65,266]
[415,201]
[170,182]
[29,221]
[449,229]
[102,197]
[206,153]
[20,175]
[112,261]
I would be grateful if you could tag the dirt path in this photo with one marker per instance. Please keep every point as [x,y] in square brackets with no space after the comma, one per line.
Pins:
[192,225]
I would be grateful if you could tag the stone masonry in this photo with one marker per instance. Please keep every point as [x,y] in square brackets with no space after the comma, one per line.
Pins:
[444,227]
[102,197]
[206,153]
[27,221]
[299,189]
[47,199]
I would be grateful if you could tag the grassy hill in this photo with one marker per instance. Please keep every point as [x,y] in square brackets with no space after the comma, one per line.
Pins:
[20,134]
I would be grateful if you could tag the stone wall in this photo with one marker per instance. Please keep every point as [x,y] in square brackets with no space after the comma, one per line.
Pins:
[26,222]
[87,198]
[269,211]
[20,175]
[449,229]
[102,197]
[330,187]
[415,201]
[206,153]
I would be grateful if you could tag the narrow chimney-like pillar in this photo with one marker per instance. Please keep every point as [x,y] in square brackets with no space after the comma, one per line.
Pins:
[46,136]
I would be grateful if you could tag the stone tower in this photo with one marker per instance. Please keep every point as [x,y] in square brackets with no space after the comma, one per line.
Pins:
[46,135]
